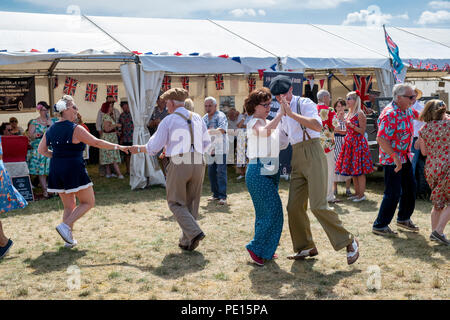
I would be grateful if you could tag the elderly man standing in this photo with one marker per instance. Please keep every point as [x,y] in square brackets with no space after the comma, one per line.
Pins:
[309,175]
[217,124]
[395,133]
[185,137]
[327,138]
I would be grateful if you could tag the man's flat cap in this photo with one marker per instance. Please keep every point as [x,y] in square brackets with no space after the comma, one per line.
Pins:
[280,85]
[178,94]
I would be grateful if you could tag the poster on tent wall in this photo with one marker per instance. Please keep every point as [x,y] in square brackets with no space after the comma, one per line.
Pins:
[297,86]
[17,95]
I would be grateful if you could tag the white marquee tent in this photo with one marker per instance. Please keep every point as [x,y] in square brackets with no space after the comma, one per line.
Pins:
[144,49]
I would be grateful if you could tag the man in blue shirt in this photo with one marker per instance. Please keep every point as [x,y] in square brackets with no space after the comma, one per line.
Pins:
[217,124]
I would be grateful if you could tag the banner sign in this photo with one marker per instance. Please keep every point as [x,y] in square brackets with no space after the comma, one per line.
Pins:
[17,94]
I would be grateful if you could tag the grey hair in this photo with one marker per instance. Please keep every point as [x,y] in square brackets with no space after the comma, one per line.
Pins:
[211,99]
[322,94]
[189,104]
[400,89]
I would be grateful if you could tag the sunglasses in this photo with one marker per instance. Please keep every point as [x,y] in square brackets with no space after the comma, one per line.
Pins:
[13,121]
[410,97]
[266,105]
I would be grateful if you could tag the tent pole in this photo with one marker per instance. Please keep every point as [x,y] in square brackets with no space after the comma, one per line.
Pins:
[51,81]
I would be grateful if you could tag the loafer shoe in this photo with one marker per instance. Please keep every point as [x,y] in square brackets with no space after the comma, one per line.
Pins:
[353,252]
[195,242]
[435,236]
[4,250]
[303,254]
[408,225]
[384,232]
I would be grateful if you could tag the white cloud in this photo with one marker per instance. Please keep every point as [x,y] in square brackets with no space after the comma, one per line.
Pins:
[372,16]
[436,5]
[185,9]
[428,17]
[238,13]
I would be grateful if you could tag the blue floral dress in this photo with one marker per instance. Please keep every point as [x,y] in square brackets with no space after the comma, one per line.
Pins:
[37,163]
[10,198]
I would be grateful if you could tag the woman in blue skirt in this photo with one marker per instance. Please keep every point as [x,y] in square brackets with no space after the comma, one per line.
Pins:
[68,175]
[10,199]
[262,175]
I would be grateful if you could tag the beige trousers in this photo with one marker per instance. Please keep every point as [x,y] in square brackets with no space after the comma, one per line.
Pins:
[184,183]
[309,181]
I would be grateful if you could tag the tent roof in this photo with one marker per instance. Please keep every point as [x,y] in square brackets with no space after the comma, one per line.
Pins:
[258,45]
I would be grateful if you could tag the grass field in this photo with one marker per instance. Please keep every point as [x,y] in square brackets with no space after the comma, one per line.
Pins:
[128,250]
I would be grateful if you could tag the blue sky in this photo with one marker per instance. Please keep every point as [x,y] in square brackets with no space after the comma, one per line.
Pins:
[413,13]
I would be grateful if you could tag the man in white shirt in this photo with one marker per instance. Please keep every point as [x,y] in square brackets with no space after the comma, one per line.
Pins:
[185,138]
[309,176]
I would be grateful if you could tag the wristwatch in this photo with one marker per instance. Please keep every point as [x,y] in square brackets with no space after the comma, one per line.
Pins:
[139,150]
[116,147]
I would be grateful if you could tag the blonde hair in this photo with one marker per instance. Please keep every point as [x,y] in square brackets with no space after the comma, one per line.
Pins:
[354,96]
[434,110]
[189,104]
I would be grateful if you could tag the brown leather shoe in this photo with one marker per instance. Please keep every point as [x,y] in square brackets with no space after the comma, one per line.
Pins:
[301,255]
[195,242]
[353,252]
[183,246]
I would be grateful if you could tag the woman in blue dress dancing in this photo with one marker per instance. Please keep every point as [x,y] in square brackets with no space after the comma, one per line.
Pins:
[68,175]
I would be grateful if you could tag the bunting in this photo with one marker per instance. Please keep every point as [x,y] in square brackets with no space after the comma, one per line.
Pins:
[219,81]
[91,92]
[185,83]
[113,90]
[251,84]
[70,86]
[167,83]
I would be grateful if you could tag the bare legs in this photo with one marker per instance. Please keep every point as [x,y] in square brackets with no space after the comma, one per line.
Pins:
[439,219]
[43,182]
[3,238]
[360,185]
[71,212]
[116,169]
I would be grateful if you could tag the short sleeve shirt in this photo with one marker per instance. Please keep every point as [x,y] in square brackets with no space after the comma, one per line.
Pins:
[396,127]
[218,121]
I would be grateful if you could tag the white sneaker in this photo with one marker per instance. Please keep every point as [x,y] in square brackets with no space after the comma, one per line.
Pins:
[70,246]
[120,177]
[240,177]
[359,199]
[113,175]
[222,202]
[65,232]
[108,176]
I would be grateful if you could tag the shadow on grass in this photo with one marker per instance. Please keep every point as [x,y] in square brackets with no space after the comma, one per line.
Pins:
[55,261]
[270,279]
[177,265]
[416,246]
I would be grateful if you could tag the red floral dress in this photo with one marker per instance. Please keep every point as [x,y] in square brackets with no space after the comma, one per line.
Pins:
[436,135]
[355,158]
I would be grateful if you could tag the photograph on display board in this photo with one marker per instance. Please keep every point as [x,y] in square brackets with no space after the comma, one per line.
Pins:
[226,102]
[17,94]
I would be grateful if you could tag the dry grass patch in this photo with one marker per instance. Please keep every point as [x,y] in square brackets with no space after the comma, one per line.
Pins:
[128,250]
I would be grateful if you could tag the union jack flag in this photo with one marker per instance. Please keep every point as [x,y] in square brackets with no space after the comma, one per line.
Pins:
[363,85]
[91,92]
[251,84]
[185,83]
[70,86]
[112,90]
[166,84]
[219,81]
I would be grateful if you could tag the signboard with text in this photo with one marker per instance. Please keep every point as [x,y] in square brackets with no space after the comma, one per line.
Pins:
[17,94]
